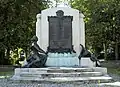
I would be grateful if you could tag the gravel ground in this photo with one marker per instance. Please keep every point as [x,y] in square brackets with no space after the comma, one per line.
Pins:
[6,82]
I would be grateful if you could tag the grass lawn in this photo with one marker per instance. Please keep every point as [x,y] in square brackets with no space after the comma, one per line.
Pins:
[112,66]
[6,72]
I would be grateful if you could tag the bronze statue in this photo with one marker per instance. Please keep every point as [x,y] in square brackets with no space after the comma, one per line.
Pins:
[37,56]
[85,53]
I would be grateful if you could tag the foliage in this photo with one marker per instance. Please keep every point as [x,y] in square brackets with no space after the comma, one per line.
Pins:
[17,20]
[102,22]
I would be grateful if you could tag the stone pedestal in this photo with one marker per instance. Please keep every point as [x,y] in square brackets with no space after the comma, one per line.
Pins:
[64,60]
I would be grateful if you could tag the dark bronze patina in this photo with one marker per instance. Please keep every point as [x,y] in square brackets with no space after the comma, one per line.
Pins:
[85,53]
[60,33]
[37,56]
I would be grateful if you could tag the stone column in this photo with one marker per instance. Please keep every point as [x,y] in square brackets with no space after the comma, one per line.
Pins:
[38,29]
[82,29]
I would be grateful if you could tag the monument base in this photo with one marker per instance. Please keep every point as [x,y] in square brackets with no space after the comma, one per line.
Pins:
[61,74]
[86,62]
[62,60]
[57,62]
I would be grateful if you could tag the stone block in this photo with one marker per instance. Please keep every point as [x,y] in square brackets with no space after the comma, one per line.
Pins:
[86,62]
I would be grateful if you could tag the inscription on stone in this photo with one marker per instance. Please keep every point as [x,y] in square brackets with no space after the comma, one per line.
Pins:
[60,32]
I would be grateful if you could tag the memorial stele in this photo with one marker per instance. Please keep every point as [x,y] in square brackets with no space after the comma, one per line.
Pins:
[45,30]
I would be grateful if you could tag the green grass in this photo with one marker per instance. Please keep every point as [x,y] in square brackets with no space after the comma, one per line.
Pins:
[6,74]
[114,70]
[112,66]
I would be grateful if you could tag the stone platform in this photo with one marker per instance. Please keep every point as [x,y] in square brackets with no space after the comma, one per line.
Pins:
[62,74]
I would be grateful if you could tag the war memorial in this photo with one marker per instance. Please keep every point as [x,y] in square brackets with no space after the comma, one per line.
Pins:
[58,56]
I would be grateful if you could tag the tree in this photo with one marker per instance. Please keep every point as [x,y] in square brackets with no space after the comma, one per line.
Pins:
[102,22]
[17,20]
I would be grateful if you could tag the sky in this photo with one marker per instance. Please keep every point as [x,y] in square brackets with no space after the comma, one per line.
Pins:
[63,4]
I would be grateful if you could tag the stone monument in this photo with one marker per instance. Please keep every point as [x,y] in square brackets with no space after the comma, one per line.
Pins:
[60,31]
[77,27]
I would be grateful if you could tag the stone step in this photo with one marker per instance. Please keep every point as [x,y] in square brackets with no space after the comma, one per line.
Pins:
[113,84]
[52,70]
[69,70]
[61,74]
[67,79]
[70,79]
[77,74]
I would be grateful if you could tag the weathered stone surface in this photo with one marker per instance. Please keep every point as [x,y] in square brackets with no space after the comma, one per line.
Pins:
[61,74]
[74,74]
[74,79]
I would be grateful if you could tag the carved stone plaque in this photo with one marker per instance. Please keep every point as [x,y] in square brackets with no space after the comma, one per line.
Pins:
[60,32]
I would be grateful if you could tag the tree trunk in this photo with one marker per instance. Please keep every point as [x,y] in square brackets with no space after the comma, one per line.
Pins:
[8,53]
[116,51]
[105,50]
[7,61]
[2,56]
